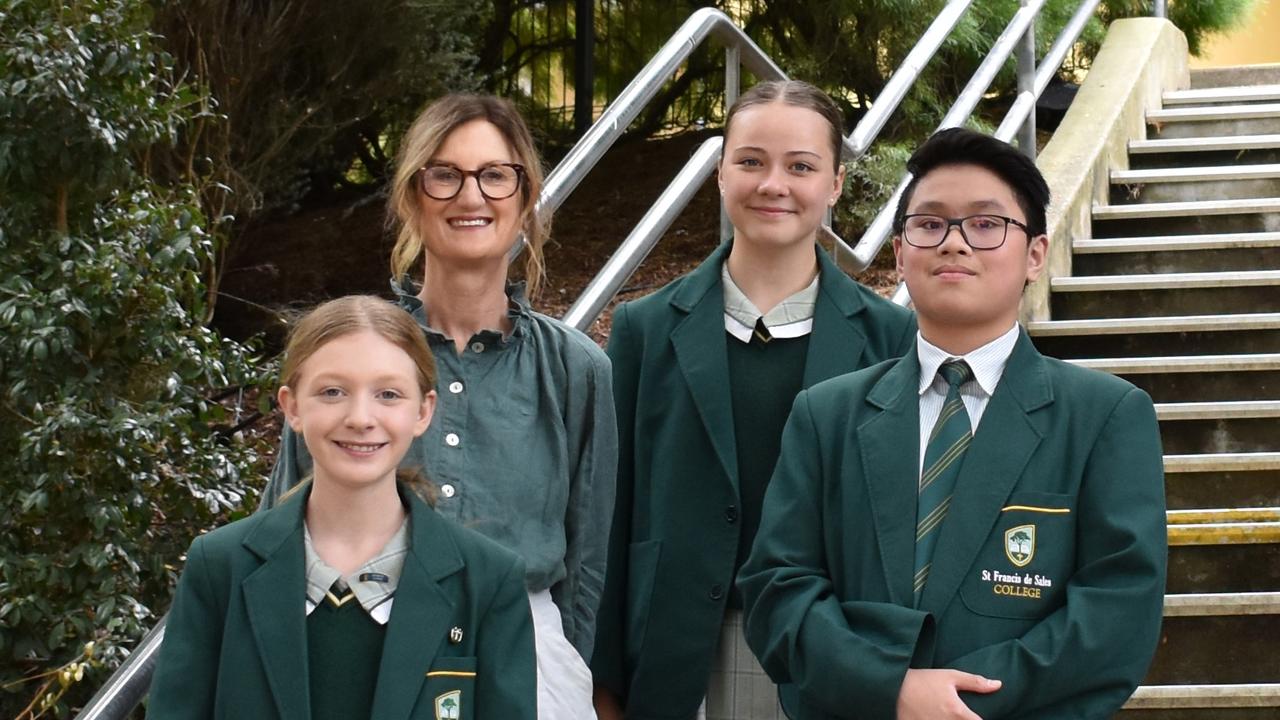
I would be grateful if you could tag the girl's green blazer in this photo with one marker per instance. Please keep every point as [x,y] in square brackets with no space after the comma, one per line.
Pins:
[235,643]
[676,515]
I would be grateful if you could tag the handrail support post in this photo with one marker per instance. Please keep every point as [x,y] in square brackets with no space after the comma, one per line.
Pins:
[1026,62]
[732,85]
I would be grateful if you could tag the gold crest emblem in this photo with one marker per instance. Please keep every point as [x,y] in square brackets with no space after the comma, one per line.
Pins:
[1020,544]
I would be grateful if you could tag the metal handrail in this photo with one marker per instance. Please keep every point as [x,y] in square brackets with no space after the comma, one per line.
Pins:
[614,121]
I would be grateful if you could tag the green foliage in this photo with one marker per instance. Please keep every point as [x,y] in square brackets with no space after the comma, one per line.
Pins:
[112,452]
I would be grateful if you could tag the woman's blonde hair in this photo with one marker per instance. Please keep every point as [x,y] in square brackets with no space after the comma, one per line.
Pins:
[423,141]
[356,313]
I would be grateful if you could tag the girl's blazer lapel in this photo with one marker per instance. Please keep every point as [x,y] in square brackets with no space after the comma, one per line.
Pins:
[837,342]
[274,599]
[423,613]
[699,345]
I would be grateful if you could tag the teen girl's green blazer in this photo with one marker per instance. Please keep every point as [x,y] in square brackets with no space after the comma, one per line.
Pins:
[235,643]
[676,516]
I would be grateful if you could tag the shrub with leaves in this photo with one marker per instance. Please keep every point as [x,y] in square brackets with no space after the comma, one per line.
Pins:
[114,449]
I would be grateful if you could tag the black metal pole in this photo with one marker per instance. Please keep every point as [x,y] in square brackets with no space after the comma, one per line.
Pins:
[583,65]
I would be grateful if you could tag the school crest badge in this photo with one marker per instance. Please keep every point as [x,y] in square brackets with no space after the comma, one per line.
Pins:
[1020,544]
[449,705]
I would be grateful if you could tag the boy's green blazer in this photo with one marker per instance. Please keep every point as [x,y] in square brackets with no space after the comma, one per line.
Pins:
[235,643]
[1049,573]
[675,529]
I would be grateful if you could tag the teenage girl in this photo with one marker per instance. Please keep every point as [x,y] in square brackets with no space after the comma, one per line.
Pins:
[705,371]
[523,446]
[351,598]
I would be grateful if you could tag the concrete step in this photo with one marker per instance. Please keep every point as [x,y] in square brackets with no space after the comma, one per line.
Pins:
[1197,378]
[1195,183]
[1215,95]
[1144,336]
[1236,76]
[1191,217]
[1217,638]
[1222,434]
[1214,121]
[1223,562]
[1187,122]
[1197,152]
[1201,480]
[1242,701]
[1176,253]
[1182,363]
[1164,294]
[1219,604]
[1250,409]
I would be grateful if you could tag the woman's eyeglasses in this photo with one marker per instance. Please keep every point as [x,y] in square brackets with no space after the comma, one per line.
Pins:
[498,181]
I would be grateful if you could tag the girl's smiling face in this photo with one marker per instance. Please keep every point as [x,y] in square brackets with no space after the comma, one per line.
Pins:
[358,406]
[778,174]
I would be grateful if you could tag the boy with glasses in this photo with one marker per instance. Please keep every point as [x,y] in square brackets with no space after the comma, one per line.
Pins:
[974,530]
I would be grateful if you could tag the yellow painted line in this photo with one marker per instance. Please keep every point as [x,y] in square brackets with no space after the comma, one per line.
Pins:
[1225,533]
[450,673]
[1033,508]
[1224,515]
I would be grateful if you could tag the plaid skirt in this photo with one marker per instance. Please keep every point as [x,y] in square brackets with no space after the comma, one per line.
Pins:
[739,689]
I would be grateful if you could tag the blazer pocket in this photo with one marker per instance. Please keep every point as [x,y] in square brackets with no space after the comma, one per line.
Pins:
[1023,567]
[642,571]
[450,688]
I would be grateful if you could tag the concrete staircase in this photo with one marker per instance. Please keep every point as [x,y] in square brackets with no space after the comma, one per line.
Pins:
[1178,291]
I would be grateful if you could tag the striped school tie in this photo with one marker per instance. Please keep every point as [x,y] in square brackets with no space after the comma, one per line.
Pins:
[943,455]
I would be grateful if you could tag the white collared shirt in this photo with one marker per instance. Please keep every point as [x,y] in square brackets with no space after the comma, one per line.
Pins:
[373,584]
[791,318]
[987,362]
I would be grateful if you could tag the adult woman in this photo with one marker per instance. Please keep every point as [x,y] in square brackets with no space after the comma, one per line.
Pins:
[704,374]
[523,444]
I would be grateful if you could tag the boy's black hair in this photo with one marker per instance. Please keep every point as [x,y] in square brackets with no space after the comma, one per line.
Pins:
[960,146]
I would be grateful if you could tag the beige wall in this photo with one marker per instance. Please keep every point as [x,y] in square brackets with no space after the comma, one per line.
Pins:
[1256,41]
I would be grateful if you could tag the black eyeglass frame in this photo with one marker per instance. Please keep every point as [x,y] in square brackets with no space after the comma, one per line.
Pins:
[422,187]
[958,223]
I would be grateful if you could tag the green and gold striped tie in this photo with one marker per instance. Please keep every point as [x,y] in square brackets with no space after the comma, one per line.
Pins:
[943,455]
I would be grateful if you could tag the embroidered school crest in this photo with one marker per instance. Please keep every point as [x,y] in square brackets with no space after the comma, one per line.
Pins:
[449,705]
[1020,544]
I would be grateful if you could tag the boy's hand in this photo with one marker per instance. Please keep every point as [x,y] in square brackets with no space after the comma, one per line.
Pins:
[935,694]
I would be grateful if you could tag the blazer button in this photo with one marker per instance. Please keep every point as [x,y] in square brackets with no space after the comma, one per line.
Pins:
[731,514]
[717,592]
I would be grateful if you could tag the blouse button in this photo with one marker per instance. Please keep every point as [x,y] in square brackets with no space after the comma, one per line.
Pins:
[452,440]
[455,387]
[448,490]
[477,347]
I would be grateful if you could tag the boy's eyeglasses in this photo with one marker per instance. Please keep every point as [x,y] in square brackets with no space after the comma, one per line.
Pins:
[496,182]
[980,232]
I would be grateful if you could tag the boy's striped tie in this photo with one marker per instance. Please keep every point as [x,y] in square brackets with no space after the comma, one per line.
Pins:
[943,455]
